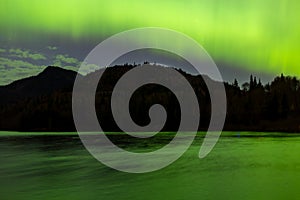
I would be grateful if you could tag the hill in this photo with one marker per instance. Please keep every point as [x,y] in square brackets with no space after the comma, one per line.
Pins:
[44,102]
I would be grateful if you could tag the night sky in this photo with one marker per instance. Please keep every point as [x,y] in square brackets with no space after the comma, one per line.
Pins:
[243,37]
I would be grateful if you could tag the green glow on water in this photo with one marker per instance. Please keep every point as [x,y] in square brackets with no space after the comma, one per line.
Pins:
[44,167]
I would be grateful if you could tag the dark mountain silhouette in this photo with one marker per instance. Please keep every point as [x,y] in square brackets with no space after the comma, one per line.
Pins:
[44,102]
[50,80]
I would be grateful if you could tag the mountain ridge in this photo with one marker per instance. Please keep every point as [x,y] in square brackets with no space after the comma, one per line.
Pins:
[49,80]
[44,102]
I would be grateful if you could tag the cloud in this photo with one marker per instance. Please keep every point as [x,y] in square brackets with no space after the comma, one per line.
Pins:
[9,63]
[73,68]
[53,48]
[86,68]
[26,54]
[18,63]
[62,60]
[11,70]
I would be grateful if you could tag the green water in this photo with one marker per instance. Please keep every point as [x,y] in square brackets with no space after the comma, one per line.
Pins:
[241,166]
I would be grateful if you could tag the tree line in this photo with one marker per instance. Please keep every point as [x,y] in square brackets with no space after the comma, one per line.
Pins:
[251,106]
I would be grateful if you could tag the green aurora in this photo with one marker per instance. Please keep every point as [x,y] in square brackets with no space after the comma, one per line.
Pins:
[260,36]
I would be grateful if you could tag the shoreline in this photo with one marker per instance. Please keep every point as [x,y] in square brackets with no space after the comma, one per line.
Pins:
[224,134]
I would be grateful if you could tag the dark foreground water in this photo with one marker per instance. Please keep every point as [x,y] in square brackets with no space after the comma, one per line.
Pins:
[258,166]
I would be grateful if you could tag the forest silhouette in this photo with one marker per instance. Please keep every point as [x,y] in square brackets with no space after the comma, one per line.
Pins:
[44,102]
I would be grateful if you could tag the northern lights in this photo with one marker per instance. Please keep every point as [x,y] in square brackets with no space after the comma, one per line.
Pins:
[256,36]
